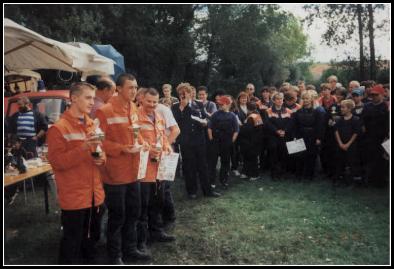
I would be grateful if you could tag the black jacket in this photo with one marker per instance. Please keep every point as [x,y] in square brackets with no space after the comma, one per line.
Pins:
[192,132]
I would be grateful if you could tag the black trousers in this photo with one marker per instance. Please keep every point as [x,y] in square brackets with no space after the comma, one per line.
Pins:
[350,158]
[377,168]
[235,155]
[306,160]
[81,230]
[152,197]
[30,146]
[328,150]
[250,167]
[195,165]
[222,150]
[168,209]
[277,155]
[264,163]
[124,210]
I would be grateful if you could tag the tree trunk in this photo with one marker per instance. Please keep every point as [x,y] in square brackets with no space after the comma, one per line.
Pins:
[372,67]
[360,34]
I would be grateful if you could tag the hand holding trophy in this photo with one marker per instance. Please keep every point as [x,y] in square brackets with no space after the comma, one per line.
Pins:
[98,135]
[135,128]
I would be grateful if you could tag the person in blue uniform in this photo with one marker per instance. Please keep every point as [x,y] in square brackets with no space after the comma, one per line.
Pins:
[280,127]
[308,126]
[375,117]
[347,130]
[192,141]
[223,130]
[250,139]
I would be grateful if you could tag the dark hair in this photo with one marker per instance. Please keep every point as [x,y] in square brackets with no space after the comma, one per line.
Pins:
[123,77]
[103,85]
[202,88]
[151,91]
[341,91]
[368,83]
[77,87]
[252,106]
[218,93]
[265,89]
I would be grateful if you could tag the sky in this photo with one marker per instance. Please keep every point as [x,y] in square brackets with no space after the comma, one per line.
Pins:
[324,53]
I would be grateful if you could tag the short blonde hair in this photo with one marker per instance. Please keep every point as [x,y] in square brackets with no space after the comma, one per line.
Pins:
[331,78]
[313,93]
[184,85]
[277,95]
[325,86]
[349,103]
[165,86]
[355,83]
[307,94]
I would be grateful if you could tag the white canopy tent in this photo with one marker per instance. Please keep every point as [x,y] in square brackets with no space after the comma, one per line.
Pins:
[26,49]
[23,73]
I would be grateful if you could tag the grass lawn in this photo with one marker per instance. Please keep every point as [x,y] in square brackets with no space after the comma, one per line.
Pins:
[263,222]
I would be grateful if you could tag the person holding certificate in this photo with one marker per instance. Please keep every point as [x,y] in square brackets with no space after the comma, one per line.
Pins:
[280,126]
[122,188]
[152,130]
[308,126]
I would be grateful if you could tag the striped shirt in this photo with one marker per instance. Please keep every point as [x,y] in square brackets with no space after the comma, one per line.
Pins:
[25,125]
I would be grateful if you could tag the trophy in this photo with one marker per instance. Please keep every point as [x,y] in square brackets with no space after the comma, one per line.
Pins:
[99,135]
[334,116]
[158,147]
[136,129]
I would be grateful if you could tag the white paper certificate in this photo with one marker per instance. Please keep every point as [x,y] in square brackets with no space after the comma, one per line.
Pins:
[203,121]
[144,156]
[167,166]
[386,146]
[296,146]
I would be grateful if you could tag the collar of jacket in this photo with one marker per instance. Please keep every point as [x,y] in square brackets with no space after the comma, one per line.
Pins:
[119,106]
[75,121]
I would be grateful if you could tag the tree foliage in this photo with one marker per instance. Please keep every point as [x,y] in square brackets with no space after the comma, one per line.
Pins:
[221,46]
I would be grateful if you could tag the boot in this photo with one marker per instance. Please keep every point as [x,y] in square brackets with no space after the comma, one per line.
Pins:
[161,236]
[137,255]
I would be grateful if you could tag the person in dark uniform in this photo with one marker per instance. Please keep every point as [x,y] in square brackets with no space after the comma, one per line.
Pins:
[375,117]
[262,106]
[308,126]
[241,111]
[250,139]
[347,129]
[329,103]
[223,130]
[280,126]
[192,141]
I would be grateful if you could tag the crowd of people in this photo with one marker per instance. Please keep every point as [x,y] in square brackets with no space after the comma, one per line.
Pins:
[97,173]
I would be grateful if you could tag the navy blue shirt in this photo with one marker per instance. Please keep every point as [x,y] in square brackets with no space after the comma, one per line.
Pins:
[223,125]
[347,128]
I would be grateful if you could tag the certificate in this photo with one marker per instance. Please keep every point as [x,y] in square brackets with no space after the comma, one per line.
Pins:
[203,121]
[144,156]
[167,166]
[296,146]
[386,146]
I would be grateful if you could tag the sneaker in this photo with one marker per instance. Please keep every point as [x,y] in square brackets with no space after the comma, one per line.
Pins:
[253,178]
[243,176]
[236,173]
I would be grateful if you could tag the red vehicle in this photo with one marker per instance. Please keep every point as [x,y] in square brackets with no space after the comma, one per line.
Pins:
[51,103]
